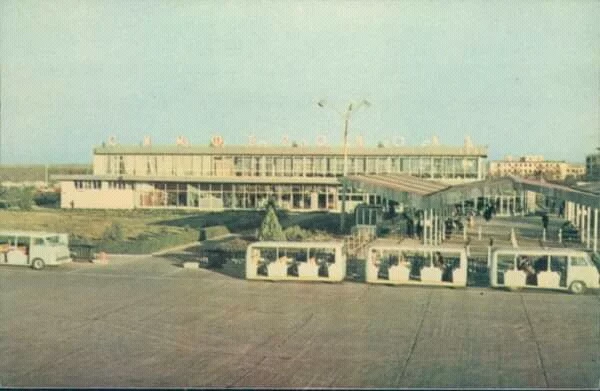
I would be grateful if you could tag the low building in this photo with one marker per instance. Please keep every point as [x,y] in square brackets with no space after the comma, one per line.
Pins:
[218,177]
[531,166]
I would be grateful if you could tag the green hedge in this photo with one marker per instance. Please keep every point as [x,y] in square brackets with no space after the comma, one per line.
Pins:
[213,232]
[147,243]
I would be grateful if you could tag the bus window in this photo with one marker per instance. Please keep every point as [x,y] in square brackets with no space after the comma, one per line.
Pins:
[324,258]
[267,255]
[39,242]
[579,261]
[293,254]
[5,243]
[416,260]
[505,262]
[427,259]
[558,264]
[375,257]
[291,257]
[526,263]
[540,264]
[52,240]
[448,262]
[322,255]
[23,245]
[451,260]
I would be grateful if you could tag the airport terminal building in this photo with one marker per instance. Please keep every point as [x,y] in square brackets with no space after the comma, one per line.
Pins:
[219,177]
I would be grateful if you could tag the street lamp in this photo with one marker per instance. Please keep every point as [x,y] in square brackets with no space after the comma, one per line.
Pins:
[345,115]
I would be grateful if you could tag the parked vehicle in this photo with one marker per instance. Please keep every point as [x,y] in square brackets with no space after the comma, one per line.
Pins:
[296,261]
[393,263]
[33,249]
[558,269]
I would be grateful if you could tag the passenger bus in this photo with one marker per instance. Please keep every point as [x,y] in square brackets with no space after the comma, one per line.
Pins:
[416,264]
[556,268]
[33,249]
[296,261]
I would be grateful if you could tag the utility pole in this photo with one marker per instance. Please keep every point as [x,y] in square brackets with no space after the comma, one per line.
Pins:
[352,107]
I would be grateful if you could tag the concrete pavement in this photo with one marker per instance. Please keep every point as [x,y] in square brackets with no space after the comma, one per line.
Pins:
[147,322]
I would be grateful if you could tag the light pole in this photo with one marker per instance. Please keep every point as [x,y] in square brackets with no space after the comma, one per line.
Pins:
[345,115]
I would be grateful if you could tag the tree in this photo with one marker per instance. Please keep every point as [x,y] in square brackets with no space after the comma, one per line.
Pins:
[19,197]
[270,229]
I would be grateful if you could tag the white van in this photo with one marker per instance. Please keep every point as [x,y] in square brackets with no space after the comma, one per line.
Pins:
[34,249]
[557,268]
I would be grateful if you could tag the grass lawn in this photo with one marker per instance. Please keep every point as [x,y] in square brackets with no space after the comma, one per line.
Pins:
[150,230]
[88,224]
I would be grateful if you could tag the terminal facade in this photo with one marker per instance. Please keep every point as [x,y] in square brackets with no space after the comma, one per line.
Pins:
[219,177]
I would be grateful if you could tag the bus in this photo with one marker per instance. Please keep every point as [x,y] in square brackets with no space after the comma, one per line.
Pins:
[416,264]
[33,249]
[544,268]
[296,261]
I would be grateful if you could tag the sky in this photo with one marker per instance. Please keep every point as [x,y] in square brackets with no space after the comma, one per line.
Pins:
[519,76]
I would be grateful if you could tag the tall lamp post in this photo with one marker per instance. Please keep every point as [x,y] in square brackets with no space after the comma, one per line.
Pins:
[345,115]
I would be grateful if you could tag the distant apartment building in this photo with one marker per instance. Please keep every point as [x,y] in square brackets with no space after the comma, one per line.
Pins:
[219,177]
[592,167]
[535,166]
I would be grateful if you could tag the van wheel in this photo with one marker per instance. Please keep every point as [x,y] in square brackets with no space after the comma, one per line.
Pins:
[577,287]
[37,264]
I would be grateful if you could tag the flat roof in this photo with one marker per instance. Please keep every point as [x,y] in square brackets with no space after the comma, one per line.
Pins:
[429,150]
[6,232]
[400,182]
[278,180]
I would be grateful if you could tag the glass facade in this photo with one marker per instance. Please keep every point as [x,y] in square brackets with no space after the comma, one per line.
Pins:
[247,178]
[437,167]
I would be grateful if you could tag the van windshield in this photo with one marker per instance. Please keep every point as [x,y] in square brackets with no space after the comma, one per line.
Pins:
[53,240]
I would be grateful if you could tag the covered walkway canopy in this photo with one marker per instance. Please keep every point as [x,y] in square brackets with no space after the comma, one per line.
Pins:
[455,194]
[425,194]
[402,188]
[581,206]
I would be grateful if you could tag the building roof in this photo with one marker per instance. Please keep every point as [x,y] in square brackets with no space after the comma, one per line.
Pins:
[429,194]
[400,182]
[279,180]
[592,187]
[429,150]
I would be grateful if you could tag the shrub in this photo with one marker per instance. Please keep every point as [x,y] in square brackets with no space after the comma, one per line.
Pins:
[114,232]
[213,232]
[48,199]
[20,197]
[296,233]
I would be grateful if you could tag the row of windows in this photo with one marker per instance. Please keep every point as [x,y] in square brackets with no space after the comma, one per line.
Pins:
[97,185]
[304,166]
[88,184]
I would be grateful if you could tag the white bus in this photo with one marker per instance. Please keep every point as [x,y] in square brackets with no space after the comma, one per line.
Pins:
[556,268]
[416,264]
[296,261]
[33,249]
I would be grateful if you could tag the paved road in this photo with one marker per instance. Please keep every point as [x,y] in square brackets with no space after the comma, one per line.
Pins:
[145,322]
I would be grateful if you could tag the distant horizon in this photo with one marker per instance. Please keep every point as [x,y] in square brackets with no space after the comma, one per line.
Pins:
[522,78]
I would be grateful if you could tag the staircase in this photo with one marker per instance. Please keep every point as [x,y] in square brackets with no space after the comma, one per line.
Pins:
[356,243]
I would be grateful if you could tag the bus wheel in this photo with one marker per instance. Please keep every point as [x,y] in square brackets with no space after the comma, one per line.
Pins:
[577,287]
[38,264]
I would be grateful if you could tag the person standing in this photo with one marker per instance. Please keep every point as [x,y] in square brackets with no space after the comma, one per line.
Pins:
[545,221]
